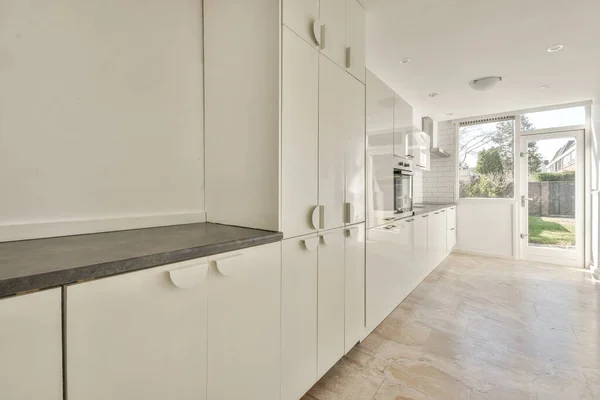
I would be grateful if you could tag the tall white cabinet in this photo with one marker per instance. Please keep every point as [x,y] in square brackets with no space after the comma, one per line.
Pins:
[31,346]
[293,131]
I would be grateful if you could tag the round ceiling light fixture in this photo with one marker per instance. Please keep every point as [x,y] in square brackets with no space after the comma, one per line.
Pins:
[404,61]
[546,87]
[483,84]
[555,48]
[433,94]
[449,114]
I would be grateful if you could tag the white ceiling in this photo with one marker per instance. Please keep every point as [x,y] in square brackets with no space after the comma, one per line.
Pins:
[452,42]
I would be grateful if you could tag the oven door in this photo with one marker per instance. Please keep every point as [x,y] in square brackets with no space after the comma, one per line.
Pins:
[403,191]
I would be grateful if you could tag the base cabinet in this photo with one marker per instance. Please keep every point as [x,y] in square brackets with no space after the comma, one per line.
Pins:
[30,346]
[331,297]
[299,316]
[451,229]
[140,335]
[355,286]
[244,323]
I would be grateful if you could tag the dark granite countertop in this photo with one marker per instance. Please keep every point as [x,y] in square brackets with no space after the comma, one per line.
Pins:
[43,263]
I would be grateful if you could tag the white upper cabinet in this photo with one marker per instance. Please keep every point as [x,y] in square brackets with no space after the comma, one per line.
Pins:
[244,324]
[302,17]
[333,32]
[355,285]
[380,150]
[332,132]
[354,117]
[299,137]
[402,127]
[31,347]
[141,335]
[299,316]
[355,39]
[420,144]
[331,298]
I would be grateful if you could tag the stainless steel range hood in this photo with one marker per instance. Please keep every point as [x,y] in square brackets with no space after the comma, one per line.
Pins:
[435,151]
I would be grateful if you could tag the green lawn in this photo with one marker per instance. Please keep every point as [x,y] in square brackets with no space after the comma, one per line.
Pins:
[552,231]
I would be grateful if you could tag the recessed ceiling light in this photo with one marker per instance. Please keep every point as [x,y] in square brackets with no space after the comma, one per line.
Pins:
[434,94]
[404,61]
[555,48]
[449,114]
[546,87]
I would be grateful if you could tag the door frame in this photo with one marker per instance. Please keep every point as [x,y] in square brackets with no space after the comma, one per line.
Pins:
[549,255]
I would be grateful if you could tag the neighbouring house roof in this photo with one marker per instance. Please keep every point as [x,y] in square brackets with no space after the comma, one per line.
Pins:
[569,146]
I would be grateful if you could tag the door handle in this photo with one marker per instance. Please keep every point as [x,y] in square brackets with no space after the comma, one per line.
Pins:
[348,57]
[224,265]
[311,244]
[523,200]
[523,235]
[349,212]
[317,31]
[316,217]
[189,276]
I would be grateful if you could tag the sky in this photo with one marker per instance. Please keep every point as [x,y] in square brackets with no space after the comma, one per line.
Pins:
[543,120]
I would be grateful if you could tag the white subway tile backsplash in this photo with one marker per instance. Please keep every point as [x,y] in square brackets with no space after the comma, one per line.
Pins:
[438,184]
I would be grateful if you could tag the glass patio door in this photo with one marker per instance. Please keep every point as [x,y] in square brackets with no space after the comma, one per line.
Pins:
[552,200]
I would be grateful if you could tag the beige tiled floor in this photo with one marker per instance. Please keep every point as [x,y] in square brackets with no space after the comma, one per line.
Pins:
[480,329]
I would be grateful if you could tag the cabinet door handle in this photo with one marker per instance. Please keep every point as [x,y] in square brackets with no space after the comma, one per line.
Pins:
[352,232]
[425,216]
[189,276]
[326,237]
[311,244]
[323,37]
[316,217]
[348,57]
[317,31]
[452,229]
[349,211]
[225,266]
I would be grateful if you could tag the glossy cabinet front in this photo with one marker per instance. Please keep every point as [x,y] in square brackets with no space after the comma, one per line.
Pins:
[30,346]
[302,17]
[141,335]
[331,295]
[355,285]
[332,133]
[355,39]
[299,136]
[451,229]
[244,322]
[299,280]
[402,127]
[379,150]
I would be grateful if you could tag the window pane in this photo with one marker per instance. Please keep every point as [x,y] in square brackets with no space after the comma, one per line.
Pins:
[486,160]
[553,118]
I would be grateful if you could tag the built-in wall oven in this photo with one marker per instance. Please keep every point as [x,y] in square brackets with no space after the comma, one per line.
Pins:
[403,187]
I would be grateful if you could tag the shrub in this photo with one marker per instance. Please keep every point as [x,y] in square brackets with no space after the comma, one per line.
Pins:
[565,176]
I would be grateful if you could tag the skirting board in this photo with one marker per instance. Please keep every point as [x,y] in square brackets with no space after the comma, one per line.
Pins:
[475,253]
[39,230]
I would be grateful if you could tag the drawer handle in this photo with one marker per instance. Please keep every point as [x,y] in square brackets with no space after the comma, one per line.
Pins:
[452,229]
[311,244]
[316,217]
[317,31]
[224,266]
[188,277]
[425,216]
[352,232]
[348,57]
[443,211]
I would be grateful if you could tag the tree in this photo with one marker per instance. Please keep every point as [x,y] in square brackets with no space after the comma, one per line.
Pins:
[490,162]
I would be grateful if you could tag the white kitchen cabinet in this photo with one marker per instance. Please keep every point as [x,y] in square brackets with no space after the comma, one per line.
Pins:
[301,16]
[451,229]
[355,285]
[332,159]
[299,316]
[419,145]
[436,238]
[244,324]
[355,39]
[299,137]
[379,150]
[404,258]
[420,249]
[382,274]
[354,116]
[31,346]
[331,298]
[141,335]
[333,34]
[402,127]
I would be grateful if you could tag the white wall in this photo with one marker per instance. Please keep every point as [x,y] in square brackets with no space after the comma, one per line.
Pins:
[101,115]
[439,183]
